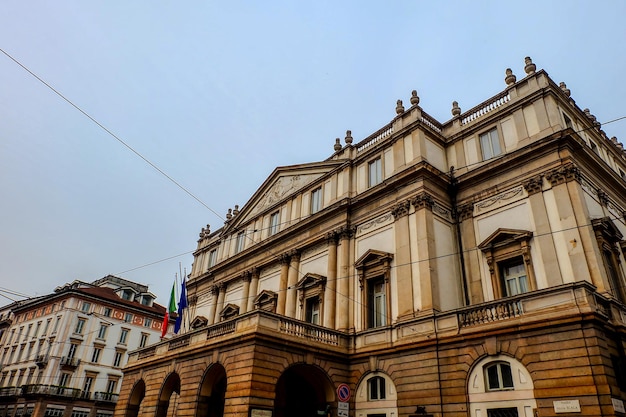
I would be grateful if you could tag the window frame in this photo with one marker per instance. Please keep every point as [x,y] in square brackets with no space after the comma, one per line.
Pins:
[274,223]
[505,247]
[239,241]
[95,355]
[123,336]
[489,135]
[498,366]
[376,388]
[316,200]
[212,257]
[374,268]
[375,172]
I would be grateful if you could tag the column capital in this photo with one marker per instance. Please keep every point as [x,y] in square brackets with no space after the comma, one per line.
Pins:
[465,211]
[401,209]
[563,174]
[533,185]
[421,201]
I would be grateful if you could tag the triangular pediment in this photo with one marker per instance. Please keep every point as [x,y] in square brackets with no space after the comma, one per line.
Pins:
[505,236]
[199,321]
[372,257]
[266,300]
[283,183]
[310,280]
[230,310]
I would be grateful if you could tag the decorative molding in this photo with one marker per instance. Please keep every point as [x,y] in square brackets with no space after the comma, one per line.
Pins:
[375,222]
[442,211]
[514,193]
[465,211]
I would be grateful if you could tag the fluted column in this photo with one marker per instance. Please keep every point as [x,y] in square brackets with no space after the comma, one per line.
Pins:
[330,295]
[254,287]
[220,300]
[403,260]
[282,289]
[213,309]
[245,296]
[292,280]
[343,281]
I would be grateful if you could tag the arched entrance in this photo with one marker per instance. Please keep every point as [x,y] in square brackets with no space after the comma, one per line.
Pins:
[303,391]
[171,388]
[135,398]
[212,392]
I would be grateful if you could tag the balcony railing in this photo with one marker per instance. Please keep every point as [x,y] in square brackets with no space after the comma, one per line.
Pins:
[532,307]
[105,397]
[52,390]
[9,391]
[68,362]
[41,360]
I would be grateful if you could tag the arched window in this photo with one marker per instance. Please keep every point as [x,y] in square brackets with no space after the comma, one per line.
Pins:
[376,388]
[498,376]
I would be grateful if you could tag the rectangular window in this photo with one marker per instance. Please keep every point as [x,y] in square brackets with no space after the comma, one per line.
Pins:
[54,412]
[72,351]
[79,413]
[102,333]
[376,388]
[377,303]
[128,317]
[515,278]
[117,361]
[107,312]
[111,385]
[274,223]
[123,336]
[56,324]
[375,170]
[212,257]
[316,200]
[313,310]
[490,144]
[95,357]
[64,380]
[46,327]
[143,341]
[86,307]
[594,147]
[88,383]
[240,240]
[568,121]
[147,322]
[80,325]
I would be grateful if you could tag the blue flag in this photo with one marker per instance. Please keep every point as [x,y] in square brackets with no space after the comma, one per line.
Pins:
[182,305]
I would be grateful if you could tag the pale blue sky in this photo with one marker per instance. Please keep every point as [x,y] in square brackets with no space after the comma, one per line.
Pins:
[217,94]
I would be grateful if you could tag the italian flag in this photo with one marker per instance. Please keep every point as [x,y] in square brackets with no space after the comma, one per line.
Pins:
[171,308]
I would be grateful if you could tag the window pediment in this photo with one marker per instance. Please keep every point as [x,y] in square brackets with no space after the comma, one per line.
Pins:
[266,300]
[199,321]
[229,311]
[373,258]
[503,237]
[310,281]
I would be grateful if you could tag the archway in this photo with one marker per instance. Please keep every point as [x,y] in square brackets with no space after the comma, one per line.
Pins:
[135,398]
[171,387]
[212,392]
[500,386]
[303,391]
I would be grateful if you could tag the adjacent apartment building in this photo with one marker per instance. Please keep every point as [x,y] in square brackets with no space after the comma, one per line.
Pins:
[473,267]
[62,354]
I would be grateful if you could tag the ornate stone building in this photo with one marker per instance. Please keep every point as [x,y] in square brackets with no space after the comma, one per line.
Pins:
[467,268]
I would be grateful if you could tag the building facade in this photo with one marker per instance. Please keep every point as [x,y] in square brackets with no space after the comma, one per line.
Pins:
[62,354]
[467,268]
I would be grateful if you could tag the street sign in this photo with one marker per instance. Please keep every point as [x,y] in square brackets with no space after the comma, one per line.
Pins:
[343,392]
[343,409]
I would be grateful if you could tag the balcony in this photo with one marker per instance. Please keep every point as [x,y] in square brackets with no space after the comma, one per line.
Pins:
[568,301]
[69,363]
[9,392]
[33,390]
[41,360]
[107,397]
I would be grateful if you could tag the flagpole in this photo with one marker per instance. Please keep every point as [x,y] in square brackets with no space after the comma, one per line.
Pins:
[188,312]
